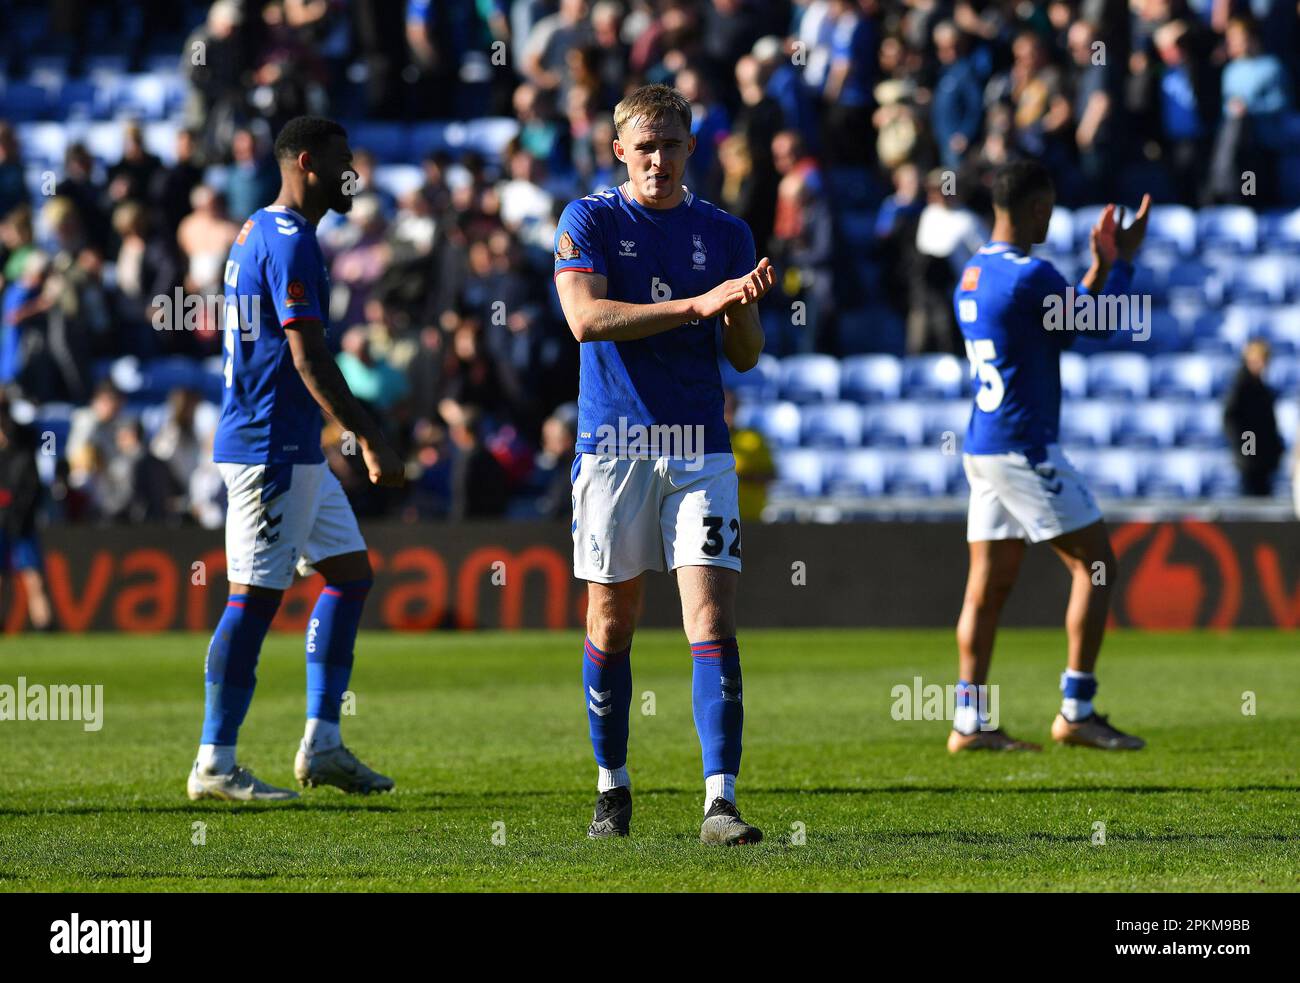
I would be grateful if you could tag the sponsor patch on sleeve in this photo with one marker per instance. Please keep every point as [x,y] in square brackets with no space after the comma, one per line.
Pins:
[970,278]
[243,233]
[566,248]
[297,294]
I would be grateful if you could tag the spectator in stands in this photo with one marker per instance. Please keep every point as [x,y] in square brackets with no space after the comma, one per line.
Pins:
[372,380]
[85,194]
[1188,108]
[478,482]
[185,435]
[1095,110]
[20,497]
[96,425]
[17,242]
[1250,423]
[895,232]
[25,302]
[173,186]
[802,240]
[136,486]
[131,177]
[758,121]
[214,61]
[551,476]
[359,266]
[958,108]
[1256,95]
[754,467]
[849,81]
[252,179]
[947,235]
[13,183]
[205,236]
[145,268]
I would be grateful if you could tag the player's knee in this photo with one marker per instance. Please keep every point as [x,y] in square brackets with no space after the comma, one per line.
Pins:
[610,626]
[710,622]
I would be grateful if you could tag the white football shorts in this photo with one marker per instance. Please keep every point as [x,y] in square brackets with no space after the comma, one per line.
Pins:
[282,518]
[1010,498]
[631,515]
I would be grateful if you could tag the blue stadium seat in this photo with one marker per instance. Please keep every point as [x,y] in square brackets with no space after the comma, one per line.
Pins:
[1196,282]
[1200,425]
[1151,423]
[398,179]
[1242,322]
[1284,329]
[1287,412]
[921,472]
[810,378]
[1060,231]
[1174,225]
[1233,227]
[832,425]
[946,416]
[1193,375]
[1087,423]
[1084,219]
[803,469]
[900,424]
[43,143]
[1109,473]
[1220,476]
[1261,280]
[21,101]
[388,142]
[780,423]
[871,378]
[857,473]
[1173,474]
[762,383]
[1283,374]
[141,96]
[935,377]
[1074,375]
[1280,231]
[1119,374]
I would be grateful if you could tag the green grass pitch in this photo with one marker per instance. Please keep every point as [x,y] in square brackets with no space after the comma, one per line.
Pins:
[486,737]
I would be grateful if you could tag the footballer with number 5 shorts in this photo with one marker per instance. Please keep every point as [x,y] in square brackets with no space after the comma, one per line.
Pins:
[1022,487]
[287,512]
[650,276]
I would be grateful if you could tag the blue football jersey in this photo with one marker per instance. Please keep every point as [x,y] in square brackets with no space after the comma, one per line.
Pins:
[275,276]
[1000,302]
[649,256]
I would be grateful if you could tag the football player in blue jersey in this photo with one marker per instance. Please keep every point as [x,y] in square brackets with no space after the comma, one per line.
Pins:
[1009,306]
[652,280]
[287,512]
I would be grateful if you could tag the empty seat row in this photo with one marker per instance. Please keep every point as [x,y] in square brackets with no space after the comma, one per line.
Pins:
[811,379]
[817,473]
[1084,423]
[1185,231]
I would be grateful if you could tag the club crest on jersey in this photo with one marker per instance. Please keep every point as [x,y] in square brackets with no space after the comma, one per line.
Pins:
[297,294]
[698,257]
[566,248]
[970,278]
[628,248]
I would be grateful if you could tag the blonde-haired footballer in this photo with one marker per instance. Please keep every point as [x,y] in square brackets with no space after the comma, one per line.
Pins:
[652,280]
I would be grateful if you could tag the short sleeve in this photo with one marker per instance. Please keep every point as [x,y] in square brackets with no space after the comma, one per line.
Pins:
[293,276]
[742,254]
[578,242]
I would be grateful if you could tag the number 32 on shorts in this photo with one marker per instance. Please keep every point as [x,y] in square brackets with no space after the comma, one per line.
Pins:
[713,540]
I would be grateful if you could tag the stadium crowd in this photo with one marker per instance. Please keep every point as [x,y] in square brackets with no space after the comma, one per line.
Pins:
[443,312]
